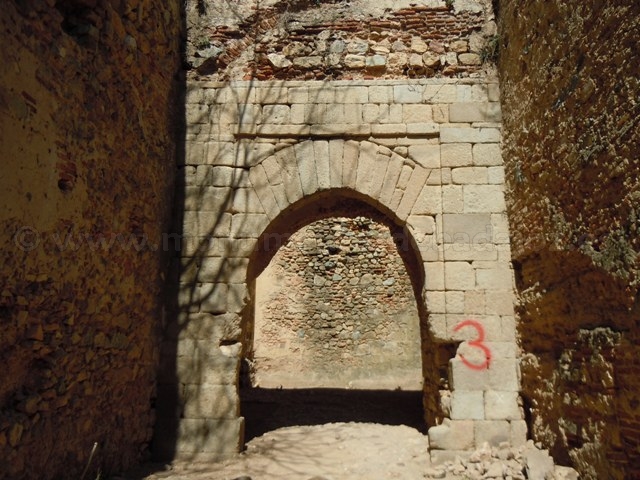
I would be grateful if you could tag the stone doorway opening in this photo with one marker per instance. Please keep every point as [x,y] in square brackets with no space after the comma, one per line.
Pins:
[336,327]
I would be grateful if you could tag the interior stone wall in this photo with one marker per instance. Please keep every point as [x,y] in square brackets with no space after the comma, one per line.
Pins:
[570,93]
[335,307]
[87,107]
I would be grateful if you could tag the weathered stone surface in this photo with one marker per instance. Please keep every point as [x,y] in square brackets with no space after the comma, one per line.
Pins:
[467,405]
[467,134]
[87,116]
[456,155]
[501,406]
[257,151]
[470,229]
[539,464]
[452,435]
[554,218]
[338,271]
[475,112]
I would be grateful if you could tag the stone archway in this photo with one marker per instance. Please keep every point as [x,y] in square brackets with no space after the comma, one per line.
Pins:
[314,180]
[315,372]
[442,186]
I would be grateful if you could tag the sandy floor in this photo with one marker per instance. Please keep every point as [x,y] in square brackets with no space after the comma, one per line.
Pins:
[345,451]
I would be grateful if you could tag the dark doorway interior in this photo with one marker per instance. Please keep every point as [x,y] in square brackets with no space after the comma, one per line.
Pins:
[268,409]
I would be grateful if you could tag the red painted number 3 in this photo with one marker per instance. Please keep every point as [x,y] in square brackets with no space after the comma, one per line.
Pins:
[478,343]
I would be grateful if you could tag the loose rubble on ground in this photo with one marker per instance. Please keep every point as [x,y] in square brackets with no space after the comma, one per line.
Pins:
[362,451]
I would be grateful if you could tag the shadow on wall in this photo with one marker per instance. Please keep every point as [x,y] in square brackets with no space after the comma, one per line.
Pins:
[202,330]
[209,324]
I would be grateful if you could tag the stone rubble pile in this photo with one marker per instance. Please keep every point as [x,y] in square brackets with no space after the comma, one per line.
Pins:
[505,462]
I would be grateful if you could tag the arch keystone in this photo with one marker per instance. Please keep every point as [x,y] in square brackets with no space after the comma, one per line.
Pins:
[321,154]
[336,151]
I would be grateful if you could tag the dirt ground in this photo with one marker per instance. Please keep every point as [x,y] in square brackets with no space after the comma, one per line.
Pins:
[333,434]
[345,451]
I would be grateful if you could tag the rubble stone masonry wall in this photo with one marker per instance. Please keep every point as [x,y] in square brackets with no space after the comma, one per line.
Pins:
[87,103]
[570,96]
[338,40]
[336,308]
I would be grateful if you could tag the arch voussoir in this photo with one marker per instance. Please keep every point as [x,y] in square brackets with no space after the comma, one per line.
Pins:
[260,182]
[417,180]
[286,158]
[305,158]
[391,177]
[366,167]
[350,164]
[274,175]
[321,161]
[336,155]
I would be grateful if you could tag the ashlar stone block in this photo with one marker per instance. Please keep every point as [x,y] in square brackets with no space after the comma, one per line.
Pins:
[495,175]
[427,156]
[206,439]
[502,405]
[423,224]
[436,303]
[250,225]
[499,278]
[213,297]
[274,176]
[414,188]
[464,378]
[210,401]
[456,155]
[503,375]
[321,153]
[469,228]
[442,93]
[470,175]
[452,435]
[467,405]
[408,93]
[434,276]
[289,171]
[381,165]
[494,432]
[469,134]
[462,112]
[366,167]
[381,94]
[350,163]
[336,149]
[416,113]
[488,154]
[500,302]
[484,198]
[394,169]
[259,180]
[429,201]
[459,276]
[307,167]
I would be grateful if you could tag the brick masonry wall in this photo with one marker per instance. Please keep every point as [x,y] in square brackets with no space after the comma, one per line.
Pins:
[336,308]
[86,112]
[572,149]
[333,39]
